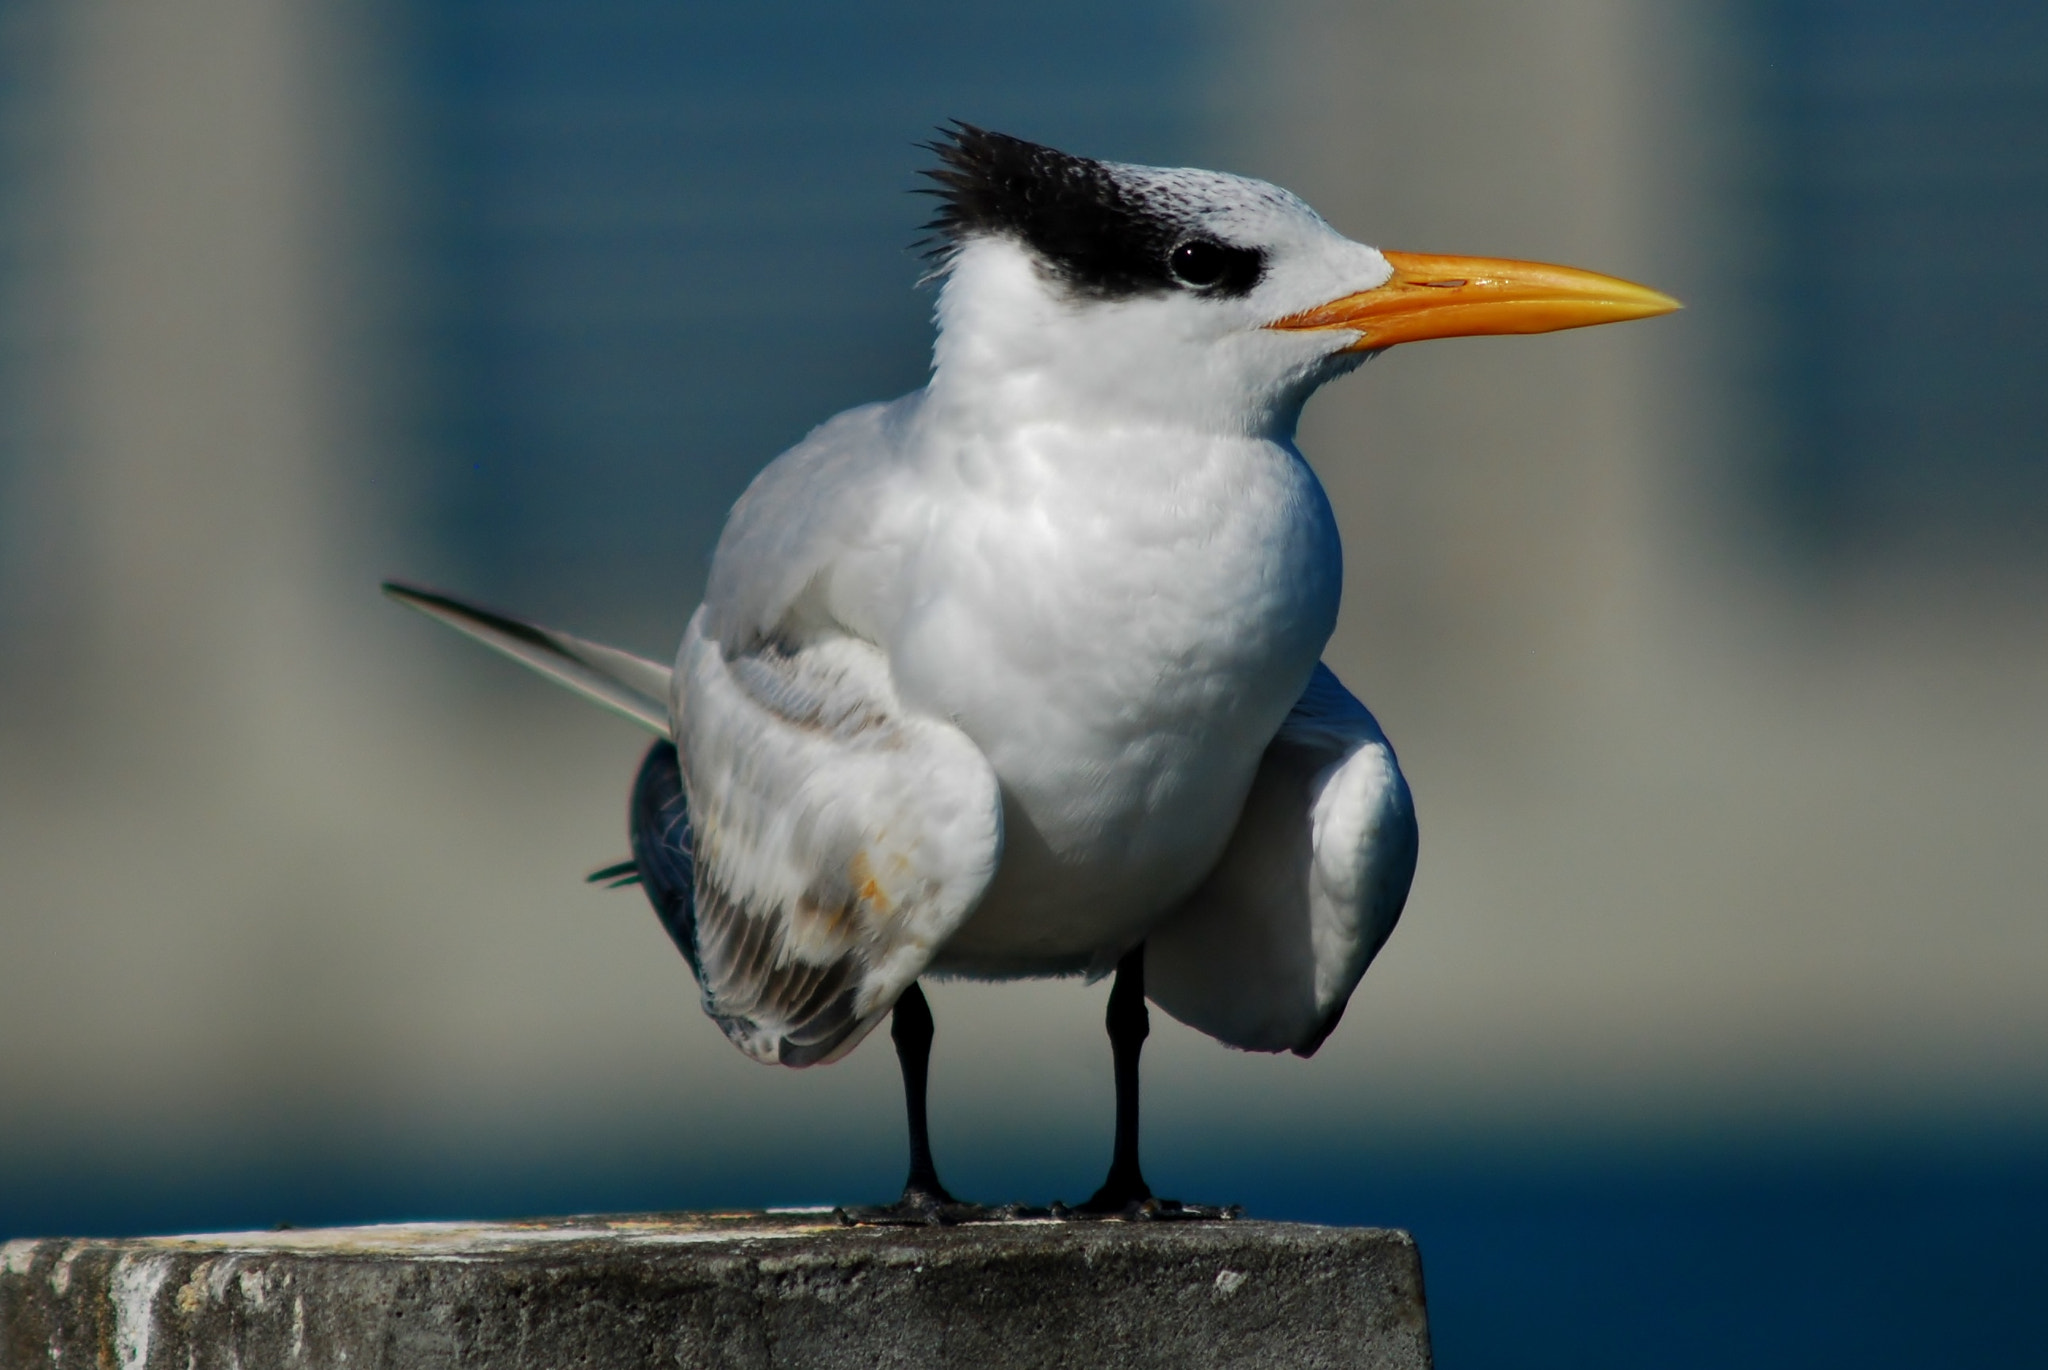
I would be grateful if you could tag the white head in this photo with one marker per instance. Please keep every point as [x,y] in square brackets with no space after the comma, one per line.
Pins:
[1076,287]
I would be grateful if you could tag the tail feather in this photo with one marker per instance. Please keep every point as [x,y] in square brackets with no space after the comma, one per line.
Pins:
[616,876]
[630,686]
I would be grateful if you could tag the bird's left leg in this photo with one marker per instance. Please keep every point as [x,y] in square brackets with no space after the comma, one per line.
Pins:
[1129,1023]
[1125,1192]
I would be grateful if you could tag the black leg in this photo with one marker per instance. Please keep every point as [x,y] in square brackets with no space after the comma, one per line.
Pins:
[910,1027]
[1124,1194]
[1130,1022]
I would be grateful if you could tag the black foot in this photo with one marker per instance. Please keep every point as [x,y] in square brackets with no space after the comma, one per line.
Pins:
[934,1208]
[1124,1189]
[1147,1210]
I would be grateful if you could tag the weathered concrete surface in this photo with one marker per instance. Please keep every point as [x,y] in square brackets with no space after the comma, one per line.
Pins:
[716,1290]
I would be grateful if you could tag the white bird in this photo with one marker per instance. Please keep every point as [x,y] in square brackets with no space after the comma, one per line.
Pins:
[1018,674]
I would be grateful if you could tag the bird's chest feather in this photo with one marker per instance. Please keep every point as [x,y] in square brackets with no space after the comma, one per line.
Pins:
[1121,625]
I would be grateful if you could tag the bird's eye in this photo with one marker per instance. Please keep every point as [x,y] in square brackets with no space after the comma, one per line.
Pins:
[1198,262]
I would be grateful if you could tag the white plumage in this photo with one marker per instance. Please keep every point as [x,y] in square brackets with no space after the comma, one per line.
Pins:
[1089,551]
[1019,672]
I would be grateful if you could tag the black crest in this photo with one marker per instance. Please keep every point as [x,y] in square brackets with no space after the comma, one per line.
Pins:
[1104,237]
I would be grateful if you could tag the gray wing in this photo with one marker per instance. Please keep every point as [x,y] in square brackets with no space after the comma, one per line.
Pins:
[811,508]
[1265,953]
[629,686]
[840,838]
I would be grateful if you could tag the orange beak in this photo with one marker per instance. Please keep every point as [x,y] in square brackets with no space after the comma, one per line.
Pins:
[1462,297]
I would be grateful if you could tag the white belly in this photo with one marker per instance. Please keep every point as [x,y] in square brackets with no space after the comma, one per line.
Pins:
[1122,657]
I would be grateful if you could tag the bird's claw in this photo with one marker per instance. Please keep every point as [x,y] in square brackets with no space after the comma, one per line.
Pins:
[1148,1210]
[925,1208]
[922,1211]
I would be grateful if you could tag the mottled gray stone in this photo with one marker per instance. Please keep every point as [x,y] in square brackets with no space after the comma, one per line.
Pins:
[752,1290]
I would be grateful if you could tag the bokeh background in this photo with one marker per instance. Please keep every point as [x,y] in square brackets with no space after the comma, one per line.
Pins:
[1716,646]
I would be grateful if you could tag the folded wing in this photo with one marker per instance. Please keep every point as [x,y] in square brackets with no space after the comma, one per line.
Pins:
[1265,953]
[839,837]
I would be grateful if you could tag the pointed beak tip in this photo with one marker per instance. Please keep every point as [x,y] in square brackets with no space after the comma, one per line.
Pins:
[1656,302]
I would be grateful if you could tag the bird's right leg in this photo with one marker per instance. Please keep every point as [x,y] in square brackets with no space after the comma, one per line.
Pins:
[910,1027]
[925,1200]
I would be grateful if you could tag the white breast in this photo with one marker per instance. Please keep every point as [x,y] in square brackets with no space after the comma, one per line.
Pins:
[1120,621]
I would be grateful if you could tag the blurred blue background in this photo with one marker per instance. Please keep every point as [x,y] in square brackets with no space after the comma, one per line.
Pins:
[1717,647]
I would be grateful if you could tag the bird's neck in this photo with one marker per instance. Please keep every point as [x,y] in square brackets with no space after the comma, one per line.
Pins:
[994,385]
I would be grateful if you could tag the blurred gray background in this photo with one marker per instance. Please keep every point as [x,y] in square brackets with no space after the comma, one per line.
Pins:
[1716,647]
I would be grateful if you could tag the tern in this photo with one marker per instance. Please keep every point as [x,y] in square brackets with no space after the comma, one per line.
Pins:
[1020,674]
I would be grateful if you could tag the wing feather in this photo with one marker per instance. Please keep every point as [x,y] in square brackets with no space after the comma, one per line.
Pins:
[1265,953]
[839,837]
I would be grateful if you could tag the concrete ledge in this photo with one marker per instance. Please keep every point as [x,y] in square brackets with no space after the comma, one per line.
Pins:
[754,1290]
